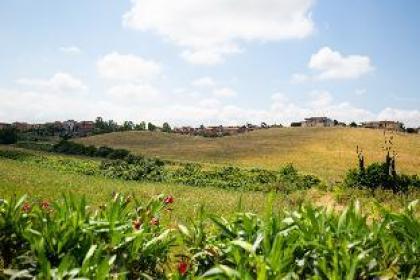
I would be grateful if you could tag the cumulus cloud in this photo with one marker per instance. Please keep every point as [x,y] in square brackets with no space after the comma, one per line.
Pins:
[334,65]
[127,67]
[224,92]
[70,50]
[204,82]
[208,30]
[58,83]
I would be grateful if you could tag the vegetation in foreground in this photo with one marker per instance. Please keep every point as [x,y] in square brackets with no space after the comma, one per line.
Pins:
[124,239]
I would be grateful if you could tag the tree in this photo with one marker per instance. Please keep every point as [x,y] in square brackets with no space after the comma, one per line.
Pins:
[8,135]
[151,127]
[353,124]
[166,127]
[140,126]
[128,125]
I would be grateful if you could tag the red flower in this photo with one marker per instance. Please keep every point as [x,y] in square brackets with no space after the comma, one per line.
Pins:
[154,221]
[45,205]
[169,199]
[26,207]
[182,268]
[136,224]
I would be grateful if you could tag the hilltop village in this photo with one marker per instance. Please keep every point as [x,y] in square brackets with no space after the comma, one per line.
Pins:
[72,128]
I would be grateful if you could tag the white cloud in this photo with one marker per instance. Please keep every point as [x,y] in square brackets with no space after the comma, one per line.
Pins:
[70,50]
[133,94]
[224,92]
[333,65]
[127,67]
[411,117]
[58,83]
[209,30]
[204,82]
[320,99]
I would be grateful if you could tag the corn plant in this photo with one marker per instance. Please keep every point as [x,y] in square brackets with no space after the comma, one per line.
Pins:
[307,243]
[67,239]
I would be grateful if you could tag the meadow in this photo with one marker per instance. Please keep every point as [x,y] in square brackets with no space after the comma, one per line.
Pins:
[325,152]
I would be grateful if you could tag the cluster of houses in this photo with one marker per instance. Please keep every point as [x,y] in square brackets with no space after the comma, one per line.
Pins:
[57,128]
[217,131]
[84,128]
[327,122]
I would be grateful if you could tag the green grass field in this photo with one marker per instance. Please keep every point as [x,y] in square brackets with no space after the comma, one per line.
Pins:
[325,152]
[51,182]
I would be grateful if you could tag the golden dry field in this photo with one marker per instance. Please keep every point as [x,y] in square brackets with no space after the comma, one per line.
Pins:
[326,152]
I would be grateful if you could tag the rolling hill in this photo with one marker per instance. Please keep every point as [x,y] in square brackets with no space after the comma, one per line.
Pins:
[326,152]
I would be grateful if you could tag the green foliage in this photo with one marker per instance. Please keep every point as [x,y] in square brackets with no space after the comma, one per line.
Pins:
[71,148]
[151,126]
[68,240]
[380,175]
[139,169]
[8,136]
[166,127]
[309,243]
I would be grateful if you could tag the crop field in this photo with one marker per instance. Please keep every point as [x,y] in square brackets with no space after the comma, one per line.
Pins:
[325,152]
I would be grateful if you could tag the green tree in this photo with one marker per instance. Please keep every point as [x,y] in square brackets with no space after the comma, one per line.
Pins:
[151,127]
[166,127]
[8,135]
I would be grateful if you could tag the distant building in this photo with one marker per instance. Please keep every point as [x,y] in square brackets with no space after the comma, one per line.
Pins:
[4,125]
[21,126]
[318,122]
[84,128]
[387,125]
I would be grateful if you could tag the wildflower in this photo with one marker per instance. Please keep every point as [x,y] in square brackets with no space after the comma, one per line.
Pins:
[169,199]
[26,207]
[45,205]
[154,221]
[137,224]
[182,267]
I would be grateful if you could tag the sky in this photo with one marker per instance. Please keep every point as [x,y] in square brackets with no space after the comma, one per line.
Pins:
[209,62]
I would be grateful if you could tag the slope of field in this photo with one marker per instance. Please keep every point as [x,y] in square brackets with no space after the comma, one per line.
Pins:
[326,152]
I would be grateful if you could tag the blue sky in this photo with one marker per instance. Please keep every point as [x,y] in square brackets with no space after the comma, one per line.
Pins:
[209,61]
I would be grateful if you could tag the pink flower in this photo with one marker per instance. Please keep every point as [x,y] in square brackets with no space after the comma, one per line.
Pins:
[154,221]
[26,207]
[182,267]
[45,205]
[169,199]
[137,224]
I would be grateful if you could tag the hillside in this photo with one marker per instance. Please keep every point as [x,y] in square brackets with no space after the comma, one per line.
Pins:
[326,152]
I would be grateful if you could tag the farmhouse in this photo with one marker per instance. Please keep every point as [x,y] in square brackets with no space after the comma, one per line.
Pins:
[84,128]
[21,126]
[387,125]
[318,122]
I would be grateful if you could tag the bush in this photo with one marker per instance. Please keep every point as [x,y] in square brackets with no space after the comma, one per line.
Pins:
[8,136]
[380,175]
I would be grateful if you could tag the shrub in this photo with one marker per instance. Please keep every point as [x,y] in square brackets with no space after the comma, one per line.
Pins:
[380,175]
[8,136]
